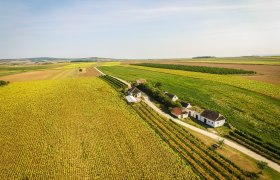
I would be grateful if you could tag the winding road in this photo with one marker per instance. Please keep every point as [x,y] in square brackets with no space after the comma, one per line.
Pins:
[234,145]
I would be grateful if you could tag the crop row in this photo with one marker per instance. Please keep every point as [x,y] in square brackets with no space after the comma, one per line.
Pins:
[114,82]
[254,147]
[186,155]
[191,139]
[203,69]
[258,141]
[215,164]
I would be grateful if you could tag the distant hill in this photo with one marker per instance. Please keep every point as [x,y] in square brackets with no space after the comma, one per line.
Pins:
[50,59]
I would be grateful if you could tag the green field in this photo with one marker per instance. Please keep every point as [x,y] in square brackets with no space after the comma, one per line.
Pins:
[79,129]
[77,65]
[248,105]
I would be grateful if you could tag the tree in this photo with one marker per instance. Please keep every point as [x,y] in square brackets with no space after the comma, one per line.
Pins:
[158,85]
[3,83]
[262,165]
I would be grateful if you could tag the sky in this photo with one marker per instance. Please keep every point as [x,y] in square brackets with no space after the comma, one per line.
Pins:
[138,28]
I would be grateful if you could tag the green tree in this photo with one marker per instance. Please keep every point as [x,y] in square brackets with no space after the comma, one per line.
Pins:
[158,85]
[262,165]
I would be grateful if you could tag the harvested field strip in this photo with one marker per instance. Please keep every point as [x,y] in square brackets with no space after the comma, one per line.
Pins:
[68,73]
[42,75]
[90,71]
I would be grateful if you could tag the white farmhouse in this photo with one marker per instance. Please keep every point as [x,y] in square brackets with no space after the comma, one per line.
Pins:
[135,92]
[186,105]
[173,97]
[179,113]
[212,118]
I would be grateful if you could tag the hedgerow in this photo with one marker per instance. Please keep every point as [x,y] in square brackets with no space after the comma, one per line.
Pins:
[203,69]
[158,95]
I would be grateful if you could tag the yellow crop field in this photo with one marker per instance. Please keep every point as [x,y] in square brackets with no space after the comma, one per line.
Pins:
[78,129]
[116,63]
[77,65]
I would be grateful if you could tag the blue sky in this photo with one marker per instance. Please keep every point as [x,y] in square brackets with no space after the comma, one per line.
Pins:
[139,28]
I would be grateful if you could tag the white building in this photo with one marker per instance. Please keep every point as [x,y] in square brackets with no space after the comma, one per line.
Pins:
[179,113]
[212,118]
[135,92]
[186,105]
[130,99]
[173,97]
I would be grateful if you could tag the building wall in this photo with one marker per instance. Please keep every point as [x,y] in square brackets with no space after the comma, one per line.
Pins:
[208,121]
[215,123]
[220,123]
[185,115]
[175,98]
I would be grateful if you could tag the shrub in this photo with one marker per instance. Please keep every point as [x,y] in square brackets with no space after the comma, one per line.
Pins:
[3,83]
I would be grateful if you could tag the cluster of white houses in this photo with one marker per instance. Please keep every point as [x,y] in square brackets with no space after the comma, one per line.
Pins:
[211,118]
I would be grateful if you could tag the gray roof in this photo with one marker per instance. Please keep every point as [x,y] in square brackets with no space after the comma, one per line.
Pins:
[170,95]
[212,115]
[185,104]
[134,90]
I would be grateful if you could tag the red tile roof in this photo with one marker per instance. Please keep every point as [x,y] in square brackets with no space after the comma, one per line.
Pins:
[176,111]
